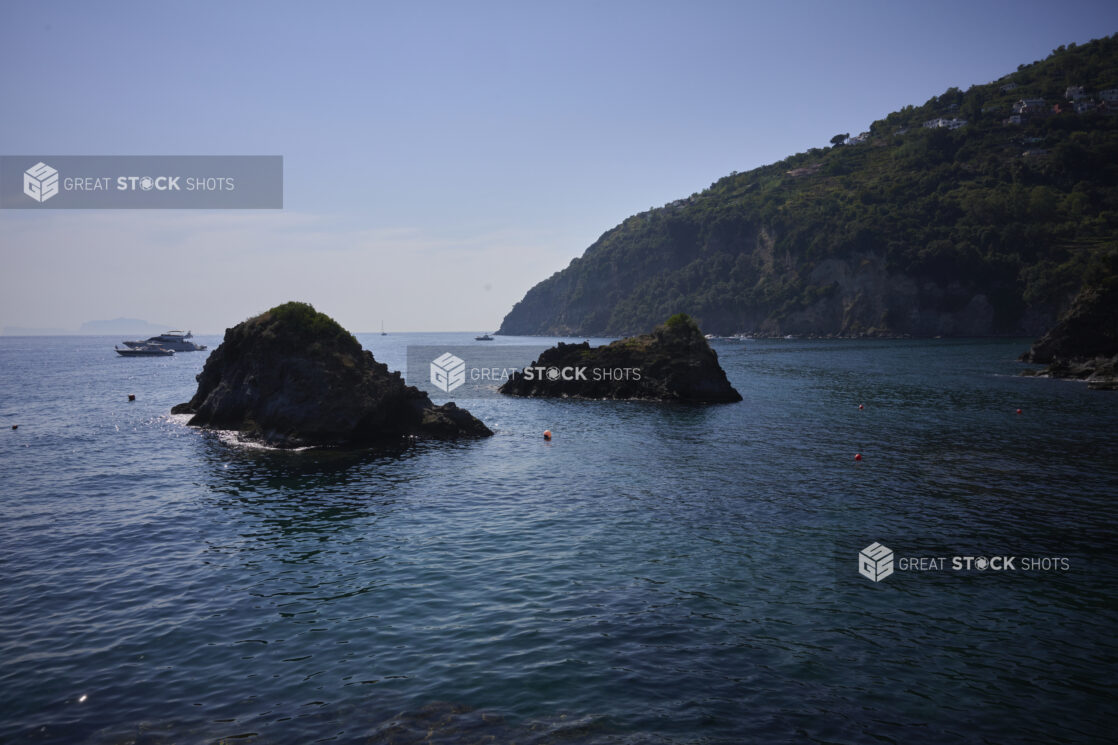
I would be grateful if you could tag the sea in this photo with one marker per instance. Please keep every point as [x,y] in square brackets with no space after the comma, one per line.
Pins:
[653,573]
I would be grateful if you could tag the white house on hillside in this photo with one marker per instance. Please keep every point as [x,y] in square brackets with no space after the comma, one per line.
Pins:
[942,122]
[1028,105]
[1110,95]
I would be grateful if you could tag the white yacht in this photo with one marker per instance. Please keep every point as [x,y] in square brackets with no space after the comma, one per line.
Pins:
[144,350]
[174,340]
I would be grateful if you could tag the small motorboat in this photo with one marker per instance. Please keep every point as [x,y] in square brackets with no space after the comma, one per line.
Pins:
[144,350]
[483,337]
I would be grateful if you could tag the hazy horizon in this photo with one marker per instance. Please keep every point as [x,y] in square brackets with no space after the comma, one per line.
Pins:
[439,159]
[155,328]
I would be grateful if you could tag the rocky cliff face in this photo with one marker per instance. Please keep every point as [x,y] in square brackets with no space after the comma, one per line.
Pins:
[860,296]
[863,294]
[1084,344]
[673,363]
[1088,330]
[293,377]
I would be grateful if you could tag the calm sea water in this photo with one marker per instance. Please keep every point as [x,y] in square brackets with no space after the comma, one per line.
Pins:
[654,574]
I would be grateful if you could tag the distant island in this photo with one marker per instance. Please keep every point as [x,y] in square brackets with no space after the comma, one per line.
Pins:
[114,327]
[125,326]
[978,213]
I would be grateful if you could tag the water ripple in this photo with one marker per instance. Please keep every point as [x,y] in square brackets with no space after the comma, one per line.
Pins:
[655,574]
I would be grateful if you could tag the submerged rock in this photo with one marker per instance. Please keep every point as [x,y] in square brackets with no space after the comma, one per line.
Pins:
[673,363]
[1084,344]
[293,377]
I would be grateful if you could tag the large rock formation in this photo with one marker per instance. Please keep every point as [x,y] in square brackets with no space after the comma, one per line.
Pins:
[673,363]
[293,377]
[1084,344]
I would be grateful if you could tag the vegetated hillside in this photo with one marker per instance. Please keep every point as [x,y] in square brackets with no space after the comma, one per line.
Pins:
[987,228]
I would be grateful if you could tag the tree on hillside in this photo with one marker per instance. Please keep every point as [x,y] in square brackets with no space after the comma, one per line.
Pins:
[839,139]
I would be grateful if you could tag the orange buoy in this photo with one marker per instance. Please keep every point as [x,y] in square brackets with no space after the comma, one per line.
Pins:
[131,396]
[547,434]
[857,456]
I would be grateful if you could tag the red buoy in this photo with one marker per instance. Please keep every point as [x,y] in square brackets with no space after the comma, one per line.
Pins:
[131,396]
[547,434]
[15,426]
[1018,411]
[857,456]
[860,407]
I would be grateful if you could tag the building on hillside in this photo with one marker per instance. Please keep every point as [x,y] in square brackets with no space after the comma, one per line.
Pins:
[1075,93]
[1110,95]
[943,122]
[1029,106]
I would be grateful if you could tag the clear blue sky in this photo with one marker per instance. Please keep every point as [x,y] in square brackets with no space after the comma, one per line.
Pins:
[440,157]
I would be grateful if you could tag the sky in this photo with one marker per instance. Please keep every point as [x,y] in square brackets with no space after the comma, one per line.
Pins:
[440,158]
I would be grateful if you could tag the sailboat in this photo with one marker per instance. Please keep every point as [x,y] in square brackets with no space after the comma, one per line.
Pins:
[382,331]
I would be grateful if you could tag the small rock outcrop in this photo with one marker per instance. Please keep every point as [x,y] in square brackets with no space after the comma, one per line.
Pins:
[673,363]
[1084,344]
[293,377]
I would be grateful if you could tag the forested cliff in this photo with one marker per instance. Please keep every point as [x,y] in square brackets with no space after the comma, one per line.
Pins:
[980,212]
